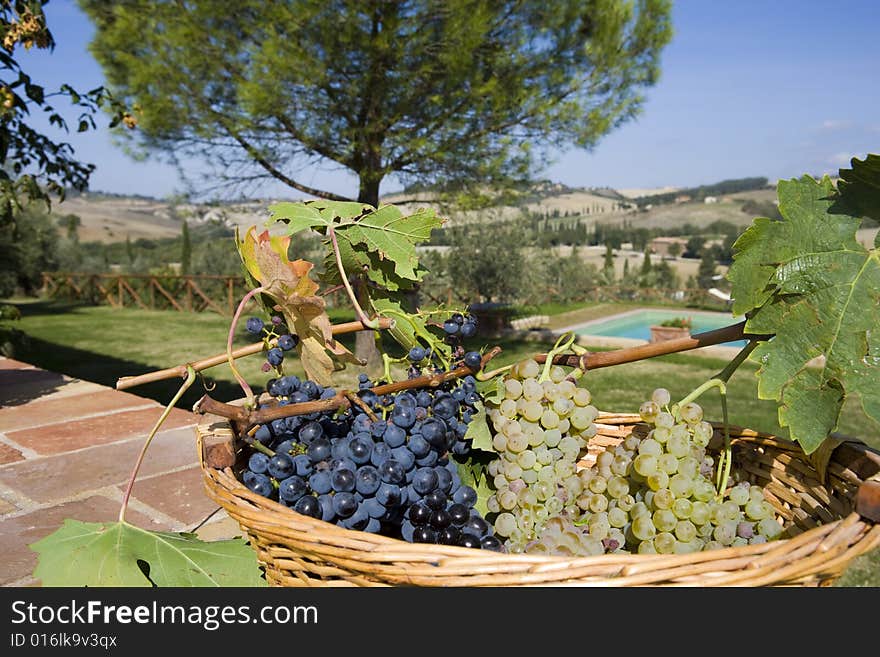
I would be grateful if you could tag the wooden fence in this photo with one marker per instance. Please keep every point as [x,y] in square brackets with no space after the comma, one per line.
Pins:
[219,294]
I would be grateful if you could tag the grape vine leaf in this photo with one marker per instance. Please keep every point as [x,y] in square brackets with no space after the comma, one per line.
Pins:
[492,390]
[858,190]
[119,554]
[809,281]
[478,430]
[392,236]
[472,471]
[408,328]
[289,285]
[298,216]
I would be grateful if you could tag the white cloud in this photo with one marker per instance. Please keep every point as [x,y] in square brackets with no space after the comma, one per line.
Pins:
[836,124]
[840,159]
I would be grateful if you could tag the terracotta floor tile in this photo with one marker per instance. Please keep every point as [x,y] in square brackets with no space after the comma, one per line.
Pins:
[180,495]
[56,478]
[12,364]
[17,533]
[9,454]
[49,410]
[76,434]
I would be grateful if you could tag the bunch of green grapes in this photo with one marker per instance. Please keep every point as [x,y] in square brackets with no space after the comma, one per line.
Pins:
[658,492]
[540,430]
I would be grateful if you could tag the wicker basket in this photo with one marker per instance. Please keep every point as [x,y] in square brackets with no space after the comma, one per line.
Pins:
[829,519]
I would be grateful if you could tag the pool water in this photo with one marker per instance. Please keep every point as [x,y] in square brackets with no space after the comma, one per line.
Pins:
[637,324]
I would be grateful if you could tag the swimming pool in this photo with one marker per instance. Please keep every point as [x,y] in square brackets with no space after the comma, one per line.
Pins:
[636,324]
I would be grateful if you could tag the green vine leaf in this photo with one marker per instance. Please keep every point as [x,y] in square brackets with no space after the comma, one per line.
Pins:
[858,190]
[478,430]
[409,329]
[393,236]
[119,554]
[808,280]
[492,390]
[298,216]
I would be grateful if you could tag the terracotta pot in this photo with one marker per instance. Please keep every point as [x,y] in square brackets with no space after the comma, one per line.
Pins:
[661,333]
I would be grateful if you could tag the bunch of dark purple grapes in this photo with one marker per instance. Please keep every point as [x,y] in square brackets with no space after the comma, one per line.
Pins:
[284,343]
[455,329]
[392,473]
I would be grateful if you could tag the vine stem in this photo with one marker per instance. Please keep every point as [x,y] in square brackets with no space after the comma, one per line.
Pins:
[248,393]
[190,379]
[246,418]
[212,361]
[563,343]
[361,315]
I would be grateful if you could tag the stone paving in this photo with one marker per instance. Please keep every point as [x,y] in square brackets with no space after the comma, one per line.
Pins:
[67,448]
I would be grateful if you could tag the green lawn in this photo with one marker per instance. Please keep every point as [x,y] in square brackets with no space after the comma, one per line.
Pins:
[102,344]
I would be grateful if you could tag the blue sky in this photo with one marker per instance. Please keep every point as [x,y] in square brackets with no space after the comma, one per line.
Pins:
[747,88]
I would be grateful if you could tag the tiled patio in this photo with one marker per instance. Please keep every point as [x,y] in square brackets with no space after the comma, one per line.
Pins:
[67,448]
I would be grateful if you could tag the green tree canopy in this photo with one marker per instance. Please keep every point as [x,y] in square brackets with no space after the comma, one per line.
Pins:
[455,95]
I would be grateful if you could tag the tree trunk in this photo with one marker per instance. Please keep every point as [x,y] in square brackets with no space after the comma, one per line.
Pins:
[365,345]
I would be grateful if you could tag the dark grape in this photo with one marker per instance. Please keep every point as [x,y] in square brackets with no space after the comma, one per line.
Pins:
[320,482]
[419,514]
[367,480]
[258,463]
[308,506]
[319,449]
[467,539]
[281,466]
[254,325]
[292,488]
[436,499]
[344,504]
[416,354]
[491,543]
[465,495]
[424,534]
[275,356]
[425,480]
[342,480]
[440,519]
[392,472]
[287,342]
[459,514]
[258,483]
[473,360]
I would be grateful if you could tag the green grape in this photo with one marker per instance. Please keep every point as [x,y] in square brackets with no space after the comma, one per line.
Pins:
[658,480]
[689,467]
[580,418]
[663,498]
[505,523]
[668,463]
[664,542]
[664,420]
[582,397]
[626,503]
[529,369]
[691,413]
[769,527]
[500,482]
[725,532]
[703,490]
[650,447]
[664,520]
[532,390]
[685,531]
[549,419]
[617,517]
[739,495]
[620,465]
[639,509]
[508,408]
[598,484]
[686,547]
[660,434]
[617,487]
[648,411]
[499,442]
[527,459]
[678,447]
[631,442]
[680,431]
[563,469]
[513,389]
[705,530]
[682,508]
[507,499]
[681,485]
[551,390]
[661,397]
[517,443]
[563,406]
[730,510]
[699,512]
[512,471]
[552,437]
[645,464]
[643,528]
[702,433]
[598,503]
[557,374]
[530,476]
[567,388]
[532,410]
